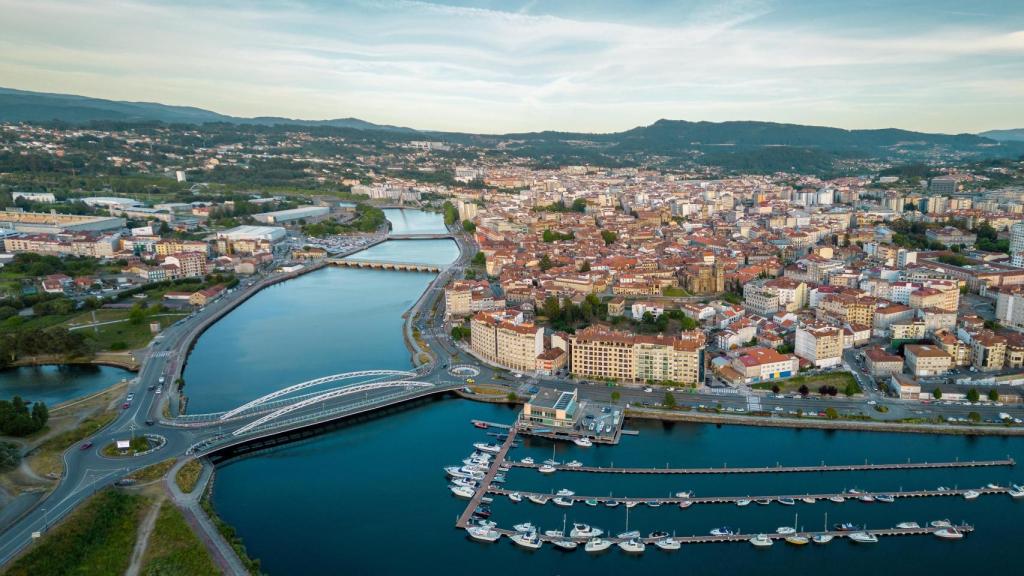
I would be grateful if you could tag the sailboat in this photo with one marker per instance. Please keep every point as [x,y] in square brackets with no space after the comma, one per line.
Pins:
[796,539]
[823,538]
[634,544]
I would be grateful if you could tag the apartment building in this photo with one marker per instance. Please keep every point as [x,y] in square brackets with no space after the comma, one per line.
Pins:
[1010,308]
[759,364]
[881,363]
[822,345]
[988,351]
[926,360]
[466,297]
[189,264]
[502,337]
[942,297]
[625,356]
[168,247]
[760,299]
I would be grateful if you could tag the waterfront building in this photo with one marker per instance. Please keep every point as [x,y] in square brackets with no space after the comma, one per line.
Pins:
[304,214]
[465,297]
[248,239]
[550,407]
[627,357]
[504,338]
[758,364]
[819,344]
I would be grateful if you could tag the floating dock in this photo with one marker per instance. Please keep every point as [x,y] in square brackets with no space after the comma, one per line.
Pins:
[485,484]
[780,469]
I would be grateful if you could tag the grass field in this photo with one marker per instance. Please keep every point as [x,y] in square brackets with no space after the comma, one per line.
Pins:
[125,335]
[153,471]
[188,475]
[838,379]
[96,539]
[47,458]
[173,548]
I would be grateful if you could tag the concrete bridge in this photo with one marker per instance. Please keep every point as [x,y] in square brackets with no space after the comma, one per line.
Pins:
[381,265]
[439,236]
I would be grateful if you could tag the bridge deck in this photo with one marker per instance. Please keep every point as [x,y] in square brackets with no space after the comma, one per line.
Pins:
[734,499]
[775,469]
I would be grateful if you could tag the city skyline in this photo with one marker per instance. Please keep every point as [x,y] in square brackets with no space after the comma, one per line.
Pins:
[495,67]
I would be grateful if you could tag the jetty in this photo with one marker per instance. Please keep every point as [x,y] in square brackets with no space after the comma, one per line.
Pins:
[779,468]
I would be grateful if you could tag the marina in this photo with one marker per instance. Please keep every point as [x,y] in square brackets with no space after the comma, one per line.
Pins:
[778,468]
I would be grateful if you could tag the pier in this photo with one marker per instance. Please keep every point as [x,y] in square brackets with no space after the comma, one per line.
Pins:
[779,468]
[824,498]
[485,484]
[381,265]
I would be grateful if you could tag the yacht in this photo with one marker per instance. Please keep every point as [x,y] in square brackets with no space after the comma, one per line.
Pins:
[743,502]
[591,502]
[686,504]
[483,533]
[667,543]
[908,525]
[597,545]
[764,501]
[808,500]
[574,464]
[583,442]
[787,501]
[515,497]
[555,533]
[538,499]
[723,531]
[653,503]
[866,498]
[498,479]
[528,540]
[490,448]
[524,527]
[950,533]
[565,544]
[461,491]
[761,541]
[785,530]
[822,538]
[940,524]
[971,494]
[1016,492]
[484,523]
[464,482]
[585,531]
[684,494]
[992,486]
[612,503]
[546,469]
[565,492]
[562,501]
[631,503]
[846,527]
[629,534]
[886,498]
[633,546]
[797,540]
[837,499]
[526,460]
[863,538]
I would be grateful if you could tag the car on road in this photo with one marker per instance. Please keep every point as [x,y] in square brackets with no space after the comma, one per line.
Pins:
[161,380]
[130,397]
[149,422]
[86,446]
[648,389]
[126,405]
[159,389]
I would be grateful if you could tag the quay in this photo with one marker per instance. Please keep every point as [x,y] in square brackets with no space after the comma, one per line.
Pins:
[779,468]
[381,265]
[709,539]
[733,499]
[485,484]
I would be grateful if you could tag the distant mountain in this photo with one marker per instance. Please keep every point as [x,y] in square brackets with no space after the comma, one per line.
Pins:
[24,106]
[1014,135]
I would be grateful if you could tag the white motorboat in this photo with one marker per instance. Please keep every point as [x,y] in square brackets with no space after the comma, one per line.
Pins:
[743,502]
[683,494]
[524,527]
[886,498]
[971,495]
[483,533]
[993,486]
[950,533]
[461,491]
[629,534]
[464,482]
[653,503]
[786,501]
[591,502]
[565,544]
[554,533]
[546,469]
[853,491]
[528,540]
[1015,492]
[797,540]
[808,500]
[537,499]
[837,499]
[484,523]
[612,503]
[562,501]
[761,541]
[527,460]
[668,543]
[940,524]
[863,537]
[515,497]
[822,538]
[908,525]
[723,531]
[574,464]
[597,545]
[866,498]
[489,448]
[633,546]
[686,504]
[785,530]
[631,503]
[584,531]
[583,442]
[565,492]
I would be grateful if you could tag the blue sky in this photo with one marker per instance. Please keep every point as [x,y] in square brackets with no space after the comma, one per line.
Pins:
[494,66]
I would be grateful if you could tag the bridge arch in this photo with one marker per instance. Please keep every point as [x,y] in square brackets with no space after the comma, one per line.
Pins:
[316,382]
[336,393]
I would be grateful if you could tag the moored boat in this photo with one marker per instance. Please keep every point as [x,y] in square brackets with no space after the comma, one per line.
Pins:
[527,460]
[940,523]
[886,498]
[971,495]
[863,537]
[580,530]
[822,538]
[484,447]
[723,531]
[565,492]
[743,502]
[574,464]
[653,503]
[515,497]
[908,525]
[528,540]
[611,503]
[785,530]
[808,500]
[764,501]
[524,527]
[866,498]
[786,501]
[537,499]
[797,540]
[597,545]
[686,504]
[590,502]
[761,541]
[483,533]
[546,469]
[565,544]
[461,491]
[633,546]
[583,442]
[667,543]
[950,533]
[846,527]
[837,499]
[562,501]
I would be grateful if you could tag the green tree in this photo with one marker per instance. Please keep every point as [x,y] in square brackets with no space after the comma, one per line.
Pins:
[993,395]
[579,205]
[974,417]
[451,214]
[616,396]
[609,237]
[137,315]
[546,263]
[851,388]
[973,395]
[937,393]
[585,267]
[670,400]
[831,413]
[40,415]
[468,226]
[479,259]
[551,308]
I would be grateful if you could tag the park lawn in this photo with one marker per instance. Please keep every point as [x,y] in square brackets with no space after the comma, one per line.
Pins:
[97,538]
[102,315]
[188,476]
[153,471]
[125,335]
[814,381]
[174,549]
[674,291]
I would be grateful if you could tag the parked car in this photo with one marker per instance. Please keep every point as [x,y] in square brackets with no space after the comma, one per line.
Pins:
[86,446]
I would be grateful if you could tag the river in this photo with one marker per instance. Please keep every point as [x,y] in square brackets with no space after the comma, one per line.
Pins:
[53,384]
[371,497]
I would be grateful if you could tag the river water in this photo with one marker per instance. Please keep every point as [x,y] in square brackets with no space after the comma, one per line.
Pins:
[371,498]
[54,384]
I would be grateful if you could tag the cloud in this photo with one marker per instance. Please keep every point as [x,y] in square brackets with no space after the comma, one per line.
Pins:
[481,68]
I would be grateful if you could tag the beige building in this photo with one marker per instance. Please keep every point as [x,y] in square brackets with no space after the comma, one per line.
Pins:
[927,360]
[959,350]
[504,338]
[988,351]
[941,297]
[908,331]
[881,363]
[822,345]
[760,299]
[628,357]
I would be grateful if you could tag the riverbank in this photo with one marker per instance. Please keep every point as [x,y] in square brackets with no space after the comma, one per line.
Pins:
[125,360]
[821,424]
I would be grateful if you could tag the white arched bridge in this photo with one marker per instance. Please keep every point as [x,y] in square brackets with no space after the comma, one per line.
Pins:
[308,404]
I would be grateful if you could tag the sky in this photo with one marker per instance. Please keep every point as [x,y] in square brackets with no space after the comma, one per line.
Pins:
[496,66]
